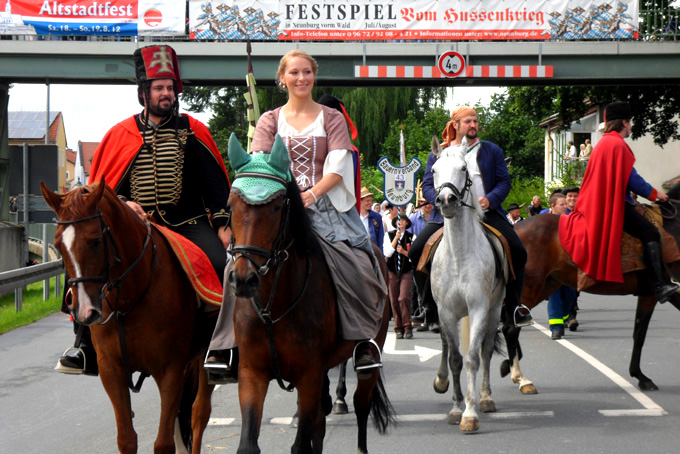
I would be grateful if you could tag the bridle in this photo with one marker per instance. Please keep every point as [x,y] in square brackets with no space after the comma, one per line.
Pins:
[109,285]
[459,195]
[274,258]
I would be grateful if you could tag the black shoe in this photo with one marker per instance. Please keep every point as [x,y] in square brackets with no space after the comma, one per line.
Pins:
[222,366]
[572,324]
[522,316]
[435,328]
[423,327]
[364,362]
[557,334]
[78,361]
[663,292]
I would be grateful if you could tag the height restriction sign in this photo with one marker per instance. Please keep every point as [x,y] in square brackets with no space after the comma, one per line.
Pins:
[451,64]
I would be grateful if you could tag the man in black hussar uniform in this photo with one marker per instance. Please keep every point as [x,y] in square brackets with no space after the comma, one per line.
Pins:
[164,165]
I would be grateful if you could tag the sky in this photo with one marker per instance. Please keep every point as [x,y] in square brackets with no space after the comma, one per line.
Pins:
[90,110]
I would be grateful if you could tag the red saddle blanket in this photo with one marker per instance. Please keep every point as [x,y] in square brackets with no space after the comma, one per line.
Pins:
[196,265]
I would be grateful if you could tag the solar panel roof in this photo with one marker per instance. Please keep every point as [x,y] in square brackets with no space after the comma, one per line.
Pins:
[28,125]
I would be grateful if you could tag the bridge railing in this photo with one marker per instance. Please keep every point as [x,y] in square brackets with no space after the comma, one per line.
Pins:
[18,279]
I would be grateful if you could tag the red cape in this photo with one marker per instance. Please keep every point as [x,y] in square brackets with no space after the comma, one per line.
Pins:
[126,140]
[592,233]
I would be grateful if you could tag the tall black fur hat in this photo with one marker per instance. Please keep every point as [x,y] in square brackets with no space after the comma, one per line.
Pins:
[617,111]
[156,62]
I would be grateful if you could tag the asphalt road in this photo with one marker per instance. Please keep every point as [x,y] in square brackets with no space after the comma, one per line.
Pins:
[586,402]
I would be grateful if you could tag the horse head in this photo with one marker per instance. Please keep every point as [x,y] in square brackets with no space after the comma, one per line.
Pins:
[80,240]
[452,180]
[260,210]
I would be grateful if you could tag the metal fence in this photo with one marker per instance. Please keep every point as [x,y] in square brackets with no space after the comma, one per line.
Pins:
[18,279]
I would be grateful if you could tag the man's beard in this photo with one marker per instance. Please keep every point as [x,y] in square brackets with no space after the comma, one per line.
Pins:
[471,135]
[160,111]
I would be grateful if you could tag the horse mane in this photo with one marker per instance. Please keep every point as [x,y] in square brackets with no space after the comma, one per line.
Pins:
[300,223]
[74,204]
[674,193]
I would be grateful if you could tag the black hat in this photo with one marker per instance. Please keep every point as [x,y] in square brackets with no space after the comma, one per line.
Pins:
[403,218]
[334,103]
[568,190]
[617,111]
[513,206]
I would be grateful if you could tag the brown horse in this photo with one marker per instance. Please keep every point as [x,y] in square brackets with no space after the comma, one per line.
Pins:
[129,287]
[286,324]
[549,267]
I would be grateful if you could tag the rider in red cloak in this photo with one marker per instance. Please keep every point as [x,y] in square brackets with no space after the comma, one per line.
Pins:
[592,233]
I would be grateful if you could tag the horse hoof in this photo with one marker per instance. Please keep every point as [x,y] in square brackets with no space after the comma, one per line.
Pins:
[469,424]
[440,386]
[528,389]
[647,385]
[505,367]
[454,418]
[340,407]
[487,406]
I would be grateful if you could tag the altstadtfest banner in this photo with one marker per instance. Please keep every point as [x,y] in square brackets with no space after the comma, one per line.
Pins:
[327,20]
[93,17]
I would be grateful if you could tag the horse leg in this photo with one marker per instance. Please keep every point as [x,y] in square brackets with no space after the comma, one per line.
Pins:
[115,384]
[340,405]
[511,365]
[200,415]
[486,403]
[170,386]
[311,421]
[252,390]
[441,381]
[362,409]
[470,420]
[456,365]
[643,315]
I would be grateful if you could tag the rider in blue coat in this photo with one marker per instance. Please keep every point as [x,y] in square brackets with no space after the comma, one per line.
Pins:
[491,180]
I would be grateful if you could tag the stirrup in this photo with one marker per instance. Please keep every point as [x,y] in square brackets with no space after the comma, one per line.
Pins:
[368,367]
[218,367]
[523,324]
[69,370]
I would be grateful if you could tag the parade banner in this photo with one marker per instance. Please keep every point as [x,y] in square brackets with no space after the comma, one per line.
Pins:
[93,17]
[449,20]
[399,185]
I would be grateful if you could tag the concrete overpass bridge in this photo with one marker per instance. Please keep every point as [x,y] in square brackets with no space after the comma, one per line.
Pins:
[341,64]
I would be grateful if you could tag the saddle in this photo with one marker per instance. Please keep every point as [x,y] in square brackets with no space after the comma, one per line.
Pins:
[501,251]
[632,257]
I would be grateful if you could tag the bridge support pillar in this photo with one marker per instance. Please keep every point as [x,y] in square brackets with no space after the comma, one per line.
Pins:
[4,152]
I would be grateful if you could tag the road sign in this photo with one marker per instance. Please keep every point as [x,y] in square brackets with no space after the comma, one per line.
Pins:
[451,64]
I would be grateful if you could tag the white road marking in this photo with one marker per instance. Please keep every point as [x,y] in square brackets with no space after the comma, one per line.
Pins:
[424,353]
[651,407]
[221,421]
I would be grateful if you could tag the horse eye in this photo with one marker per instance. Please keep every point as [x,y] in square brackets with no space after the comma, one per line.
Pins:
[95,242]
[464,168]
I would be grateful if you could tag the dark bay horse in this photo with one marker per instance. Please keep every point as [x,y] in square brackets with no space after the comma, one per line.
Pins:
[549,266]
[285,322]
[141,308]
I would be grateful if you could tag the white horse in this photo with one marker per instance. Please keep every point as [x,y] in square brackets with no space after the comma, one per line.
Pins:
[465,281]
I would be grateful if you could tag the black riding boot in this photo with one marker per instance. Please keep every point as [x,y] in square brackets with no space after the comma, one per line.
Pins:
[663,287]
[82,357]
[222,366]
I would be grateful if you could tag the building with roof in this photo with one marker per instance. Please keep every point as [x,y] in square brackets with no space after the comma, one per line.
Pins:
[78,164]
[659,166]
[29,127]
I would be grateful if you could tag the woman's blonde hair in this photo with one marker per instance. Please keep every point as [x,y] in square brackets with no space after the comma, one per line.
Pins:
[289,56]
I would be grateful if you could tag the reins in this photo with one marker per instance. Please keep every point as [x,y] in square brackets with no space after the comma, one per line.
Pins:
[108,286]
[459,195]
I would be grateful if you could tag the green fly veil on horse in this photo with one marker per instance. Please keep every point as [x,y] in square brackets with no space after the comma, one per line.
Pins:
[262,177]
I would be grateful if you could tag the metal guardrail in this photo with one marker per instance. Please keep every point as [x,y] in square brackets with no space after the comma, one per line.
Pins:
[19,278]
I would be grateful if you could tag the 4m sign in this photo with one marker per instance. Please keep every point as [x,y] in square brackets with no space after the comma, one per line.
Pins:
[451,64]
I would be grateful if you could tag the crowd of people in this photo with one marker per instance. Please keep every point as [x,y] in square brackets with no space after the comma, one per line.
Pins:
[165,165]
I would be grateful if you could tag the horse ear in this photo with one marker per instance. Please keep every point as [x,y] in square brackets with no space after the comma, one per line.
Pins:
[52,198]
[237,155]
[96,195]
[279,156]
[436,148]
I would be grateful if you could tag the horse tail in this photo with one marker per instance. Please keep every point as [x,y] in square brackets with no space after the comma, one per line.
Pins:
[382,411]
[498,343]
